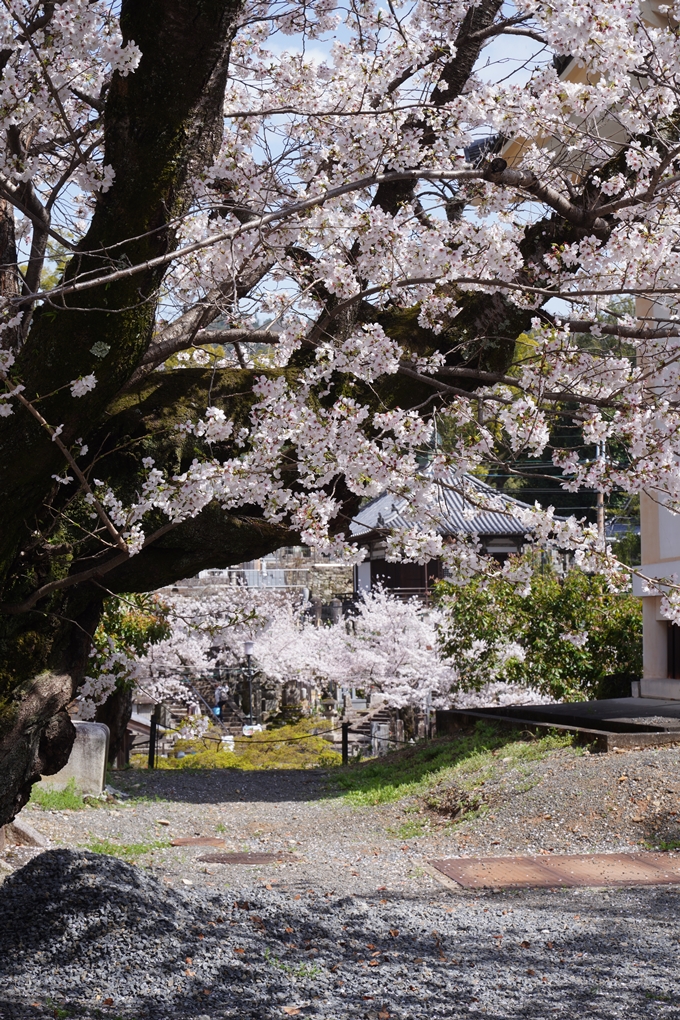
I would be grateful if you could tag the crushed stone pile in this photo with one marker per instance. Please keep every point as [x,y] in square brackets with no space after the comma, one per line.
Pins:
[96,937]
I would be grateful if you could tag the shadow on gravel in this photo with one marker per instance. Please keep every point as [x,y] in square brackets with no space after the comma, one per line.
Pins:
[661,830]
[77,929]
[226,786]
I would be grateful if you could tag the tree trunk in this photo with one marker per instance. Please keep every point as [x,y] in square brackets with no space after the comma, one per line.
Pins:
[116,712]
[36,736]
[160,123]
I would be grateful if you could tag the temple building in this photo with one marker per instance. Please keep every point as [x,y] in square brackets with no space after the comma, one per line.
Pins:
[500,534]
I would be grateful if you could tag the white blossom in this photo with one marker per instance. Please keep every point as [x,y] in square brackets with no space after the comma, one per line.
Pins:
[83,385]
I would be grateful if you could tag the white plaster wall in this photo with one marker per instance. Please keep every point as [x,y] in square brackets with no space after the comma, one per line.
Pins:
[363,576]
[669,534]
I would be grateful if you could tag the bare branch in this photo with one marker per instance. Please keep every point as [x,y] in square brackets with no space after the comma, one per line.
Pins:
[159,353]
[503,177]
[501,30]
[509,380]
[614,329]
[80,578]
[96,104]
[68,456]
[508,26]
[500,173]
[11,193]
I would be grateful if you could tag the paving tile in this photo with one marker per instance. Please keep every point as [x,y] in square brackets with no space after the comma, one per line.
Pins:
[554,870]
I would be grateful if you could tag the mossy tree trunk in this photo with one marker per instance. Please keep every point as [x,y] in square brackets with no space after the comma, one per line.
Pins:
[159,123]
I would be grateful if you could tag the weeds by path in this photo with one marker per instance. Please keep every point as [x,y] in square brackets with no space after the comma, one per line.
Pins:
[126,851]
[68,799]
[468,759]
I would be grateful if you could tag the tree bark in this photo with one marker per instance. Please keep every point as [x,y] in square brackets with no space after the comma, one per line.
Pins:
[36,736]
[160,123]
[116,713]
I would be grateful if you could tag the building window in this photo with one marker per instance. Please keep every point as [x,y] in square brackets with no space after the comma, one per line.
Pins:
[673,651]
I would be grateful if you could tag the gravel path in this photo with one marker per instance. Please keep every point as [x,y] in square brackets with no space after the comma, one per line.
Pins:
[97,937]
[79,929]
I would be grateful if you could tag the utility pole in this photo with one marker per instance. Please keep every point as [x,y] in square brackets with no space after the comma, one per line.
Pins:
[152,737]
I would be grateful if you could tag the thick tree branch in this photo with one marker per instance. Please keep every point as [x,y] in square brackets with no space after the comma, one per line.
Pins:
[526,181]
[209,336]
[554,396]
[523,180]
[454,76]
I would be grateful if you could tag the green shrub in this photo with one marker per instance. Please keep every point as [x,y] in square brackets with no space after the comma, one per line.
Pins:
[293,746]
[572,637]
[206,758]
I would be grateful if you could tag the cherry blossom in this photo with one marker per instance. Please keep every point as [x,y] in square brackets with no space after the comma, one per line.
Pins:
[387,646]
[291,257]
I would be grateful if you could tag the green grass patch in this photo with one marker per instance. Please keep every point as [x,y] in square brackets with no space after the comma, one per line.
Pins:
[301,970]
[408,830]
[68,799]
[468,759]
[126,851]
[59,1014]
[296,746]
[663,844]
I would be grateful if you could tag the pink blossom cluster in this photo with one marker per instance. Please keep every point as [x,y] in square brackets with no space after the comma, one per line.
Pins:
[310,137]
[388,646]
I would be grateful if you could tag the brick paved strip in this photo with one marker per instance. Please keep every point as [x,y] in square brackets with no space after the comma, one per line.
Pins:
[562,870]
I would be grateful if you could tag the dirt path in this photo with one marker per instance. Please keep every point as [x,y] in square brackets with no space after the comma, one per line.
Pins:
[565,802]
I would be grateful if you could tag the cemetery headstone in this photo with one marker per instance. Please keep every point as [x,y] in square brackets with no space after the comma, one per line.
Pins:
[87,763]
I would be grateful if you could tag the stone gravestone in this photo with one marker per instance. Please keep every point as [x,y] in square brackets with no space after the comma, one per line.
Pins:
[87,763]
[380,738]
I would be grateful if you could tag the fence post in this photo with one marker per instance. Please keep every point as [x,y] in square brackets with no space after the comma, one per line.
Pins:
[152,740]
[345,743]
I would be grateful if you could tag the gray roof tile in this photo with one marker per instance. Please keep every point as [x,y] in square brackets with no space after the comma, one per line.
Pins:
[386,512]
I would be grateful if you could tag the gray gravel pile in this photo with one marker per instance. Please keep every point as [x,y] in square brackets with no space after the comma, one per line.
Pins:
[95,937]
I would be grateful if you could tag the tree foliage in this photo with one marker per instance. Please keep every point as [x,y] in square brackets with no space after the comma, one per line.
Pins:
[568,636]
[131,623]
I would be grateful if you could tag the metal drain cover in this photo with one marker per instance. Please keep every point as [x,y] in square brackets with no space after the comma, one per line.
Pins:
[197,841]
[246,858]
[566,870]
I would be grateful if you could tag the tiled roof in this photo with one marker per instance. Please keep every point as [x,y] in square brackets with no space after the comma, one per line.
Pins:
[386,511]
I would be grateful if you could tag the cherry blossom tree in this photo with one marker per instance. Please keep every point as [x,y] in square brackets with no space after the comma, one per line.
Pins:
[387,646]
[257,259]
[207,634]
